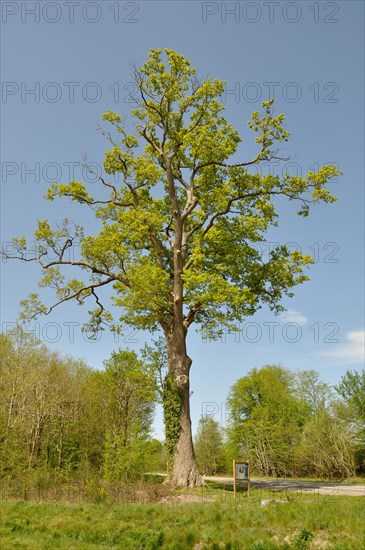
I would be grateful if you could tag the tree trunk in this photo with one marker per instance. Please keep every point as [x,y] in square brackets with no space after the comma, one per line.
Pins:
[185,470]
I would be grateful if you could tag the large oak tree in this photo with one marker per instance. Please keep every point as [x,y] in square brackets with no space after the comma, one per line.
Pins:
[178,238]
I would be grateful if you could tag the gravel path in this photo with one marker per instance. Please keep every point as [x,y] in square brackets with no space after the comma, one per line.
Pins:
[318,487]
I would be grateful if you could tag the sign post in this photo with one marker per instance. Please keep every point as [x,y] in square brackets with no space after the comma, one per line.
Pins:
[241,472]
[234,479]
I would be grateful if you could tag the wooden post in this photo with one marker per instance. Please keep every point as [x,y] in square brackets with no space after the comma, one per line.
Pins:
[249,480]
[234,478]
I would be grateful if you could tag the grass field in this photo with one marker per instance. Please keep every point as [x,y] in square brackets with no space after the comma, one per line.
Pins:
[199,520]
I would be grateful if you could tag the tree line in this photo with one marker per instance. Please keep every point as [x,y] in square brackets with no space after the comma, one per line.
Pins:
[62,422]
[289,424]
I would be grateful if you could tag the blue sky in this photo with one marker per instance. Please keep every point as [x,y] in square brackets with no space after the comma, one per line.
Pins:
[77,56]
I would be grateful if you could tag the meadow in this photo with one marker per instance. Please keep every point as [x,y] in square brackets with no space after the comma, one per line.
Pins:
[199,519]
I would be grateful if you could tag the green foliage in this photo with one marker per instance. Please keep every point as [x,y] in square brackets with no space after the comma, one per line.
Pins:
[265,419]
[289,424]
[314,394]
[40,405]
[130,392]
[155,358]
[209,447]
[125,462]
[326,448]
[352,389]
[172,399]
[63,423]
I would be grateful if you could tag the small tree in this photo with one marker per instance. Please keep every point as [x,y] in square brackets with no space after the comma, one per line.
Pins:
[129,394]
[178,238]
[209,447]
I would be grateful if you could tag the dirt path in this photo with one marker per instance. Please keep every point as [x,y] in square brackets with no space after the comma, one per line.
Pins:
[318,487]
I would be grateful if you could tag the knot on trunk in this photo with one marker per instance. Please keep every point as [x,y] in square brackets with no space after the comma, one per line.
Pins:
[182,379]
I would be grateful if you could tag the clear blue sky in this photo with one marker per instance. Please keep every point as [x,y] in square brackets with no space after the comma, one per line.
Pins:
[76,57]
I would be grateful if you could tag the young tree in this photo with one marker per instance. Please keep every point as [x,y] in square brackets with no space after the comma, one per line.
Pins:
[177,244]
[130,396]
[209,446]
[18,364]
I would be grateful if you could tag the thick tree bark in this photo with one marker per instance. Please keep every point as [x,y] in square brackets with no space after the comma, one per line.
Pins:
[185,470]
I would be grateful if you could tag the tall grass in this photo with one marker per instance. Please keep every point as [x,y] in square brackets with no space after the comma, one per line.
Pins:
[286,522]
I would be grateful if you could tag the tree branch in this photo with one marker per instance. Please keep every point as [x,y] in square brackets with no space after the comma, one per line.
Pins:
[76,295]
[79,263]
[257,159]
[231,201]
[189,318]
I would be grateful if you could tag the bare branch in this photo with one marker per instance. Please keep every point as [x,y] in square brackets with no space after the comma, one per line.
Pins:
[249,195]
[151,142]
[79,263]
[76,295]
[260,157]
[108,185]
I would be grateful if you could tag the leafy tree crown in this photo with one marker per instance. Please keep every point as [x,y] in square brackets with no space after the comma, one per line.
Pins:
[182,226]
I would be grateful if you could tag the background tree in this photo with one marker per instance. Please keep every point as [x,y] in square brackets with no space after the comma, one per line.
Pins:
[209,446]
[63,423]
[326,448]
[16,377]
[352,389]
[290,424]
[177,243]
[130,396]
[130,393]
[265,419]
[41,407]
[314,394]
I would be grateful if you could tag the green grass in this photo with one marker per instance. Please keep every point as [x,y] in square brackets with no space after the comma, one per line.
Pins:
[290,521]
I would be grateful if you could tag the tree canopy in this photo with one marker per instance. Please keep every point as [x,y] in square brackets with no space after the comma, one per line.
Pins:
[181,209]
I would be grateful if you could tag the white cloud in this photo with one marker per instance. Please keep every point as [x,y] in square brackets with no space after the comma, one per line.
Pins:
[292,316]
[352,352]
